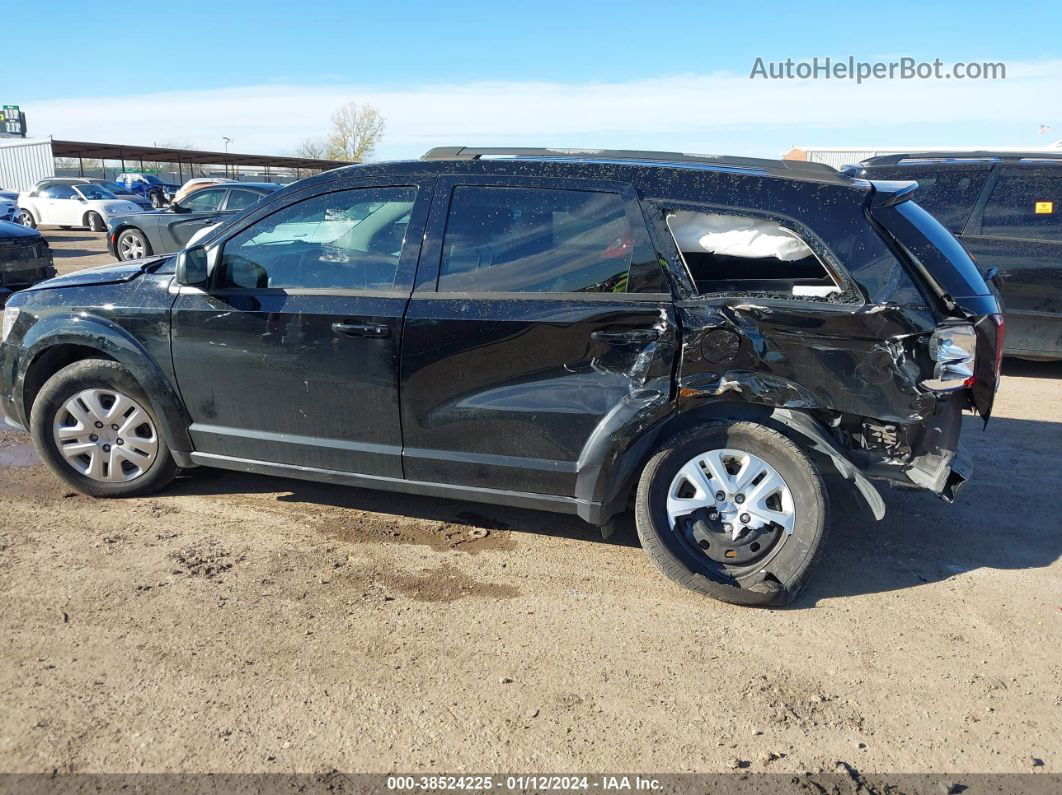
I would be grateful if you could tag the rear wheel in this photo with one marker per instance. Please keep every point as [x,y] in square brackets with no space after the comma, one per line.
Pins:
[94,222]
[132,244]
[25,217]
[95,428]
[734,510]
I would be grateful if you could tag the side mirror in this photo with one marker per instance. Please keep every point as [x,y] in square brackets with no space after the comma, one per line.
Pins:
[192,266]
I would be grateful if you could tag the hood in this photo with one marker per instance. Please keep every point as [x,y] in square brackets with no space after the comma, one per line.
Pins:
[106,274]
[9,230]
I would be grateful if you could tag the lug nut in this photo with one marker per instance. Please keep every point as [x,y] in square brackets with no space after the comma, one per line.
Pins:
[119,442]
[99,424]
[719,496]
[114,427]
[106,448]
[745,518]
[728,527]
[93,438]
[739,499]
[714,516]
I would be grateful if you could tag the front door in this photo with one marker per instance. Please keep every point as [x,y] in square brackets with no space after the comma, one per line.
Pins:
[199,210]
[291,355]
[541,317]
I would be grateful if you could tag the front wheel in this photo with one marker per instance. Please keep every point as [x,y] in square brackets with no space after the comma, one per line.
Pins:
[94,222]
[733,510]
[94,427]
[132,244]
[25,217]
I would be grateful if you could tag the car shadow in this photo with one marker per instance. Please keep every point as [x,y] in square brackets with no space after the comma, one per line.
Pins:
[72,253]
[1024,368]
[1006,518]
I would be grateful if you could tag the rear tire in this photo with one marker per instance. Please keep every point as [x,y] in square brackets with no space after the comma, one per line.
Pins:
[78,408]
[771,565]
[94,222]
[25,217]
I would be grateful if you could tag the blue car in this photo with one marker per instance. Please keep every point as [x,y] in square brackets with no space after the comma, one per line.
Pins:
[148,185]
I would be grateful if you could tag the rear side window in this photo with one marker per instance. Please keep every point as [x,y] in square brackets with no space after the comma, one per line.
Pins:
[948,194]
[730,253]
[537,240]
[242,199]
[349,240]
[58,192]
[1025,207]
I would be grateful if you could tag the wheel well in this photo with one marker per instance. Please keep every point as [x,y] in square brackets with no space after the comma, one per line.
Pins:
[51,362]
[84,218]
[639,453]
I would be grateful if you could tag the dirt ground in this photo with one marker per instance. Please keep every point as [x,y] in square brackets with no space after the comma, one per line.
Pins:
[242,623]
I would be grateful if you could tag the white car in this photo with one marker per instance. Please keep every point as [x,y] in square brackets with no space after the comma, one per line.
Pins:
[72,205]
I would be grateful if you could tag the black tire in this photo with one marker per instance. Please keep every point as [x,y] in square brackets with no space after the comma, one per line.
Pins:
[94,222]
[128,241]
[25,217]
[100,374]
[776,577]
[157,201]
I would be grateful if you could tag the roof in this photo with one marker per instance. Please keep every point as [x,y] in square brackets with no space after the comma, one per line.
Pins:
[101,151]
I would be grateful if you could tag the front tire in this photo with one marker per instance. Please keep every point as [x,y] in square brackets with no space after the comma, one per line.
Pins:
[132,244]
[25,217]
[734,510]
[94,427]
[94,222]
[157,201]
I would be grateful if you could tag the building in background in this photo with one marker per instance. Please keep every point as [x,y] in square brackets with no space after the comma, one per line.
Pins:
[844,155]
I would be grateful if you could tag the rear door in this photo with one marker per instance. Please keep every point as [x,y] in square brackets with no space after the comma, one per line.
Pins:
[1019,232]
[204,208]
[291,355]
[540,321]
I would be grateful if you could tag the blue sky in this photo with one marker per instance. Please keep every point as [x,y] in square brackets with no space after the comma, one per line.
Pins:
[651,75]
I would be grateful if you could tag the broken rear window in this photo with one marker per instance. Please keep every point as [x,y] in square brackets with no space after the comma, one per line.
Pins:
[741,254]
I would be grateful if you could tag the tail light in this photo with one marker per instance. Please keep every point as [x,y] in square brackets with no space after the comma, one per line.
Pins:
[1001,333]
[954,349]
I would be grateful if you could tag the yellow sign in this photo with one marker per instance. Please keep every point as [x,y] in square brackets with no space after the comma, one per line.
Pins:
[1045,208]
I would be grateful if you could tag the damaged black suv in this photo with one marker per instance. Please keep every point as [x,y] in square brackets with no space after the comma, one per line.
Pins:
[564,330]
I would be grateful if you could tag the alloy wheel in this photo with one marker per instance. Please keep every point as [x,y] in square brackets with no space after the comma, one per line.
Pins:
[105,435]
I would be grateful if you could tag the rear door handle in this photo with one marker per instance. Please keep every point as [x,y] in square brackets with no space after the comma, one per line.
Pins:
[638,336]
[356,329]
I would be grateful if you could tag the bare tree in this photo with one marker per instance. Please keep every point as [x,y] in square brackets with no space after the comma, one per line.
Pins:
[356,130]
[314,148]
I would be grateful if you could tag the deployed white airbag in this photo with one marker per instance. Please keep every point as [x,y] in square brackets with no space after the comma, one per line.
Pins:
[735,236]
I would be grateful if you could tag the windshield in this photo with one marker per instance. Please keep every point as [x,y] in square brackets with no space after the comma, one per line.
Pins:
[113,187]
[94,192]
[151,179]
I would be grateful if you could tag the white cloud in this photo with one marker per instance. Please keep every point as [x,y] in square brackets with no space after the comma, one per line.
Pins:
[662,112]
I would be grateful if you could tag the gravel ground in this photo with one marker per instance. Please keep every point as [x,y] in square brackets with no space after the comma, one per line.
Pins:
[242,623]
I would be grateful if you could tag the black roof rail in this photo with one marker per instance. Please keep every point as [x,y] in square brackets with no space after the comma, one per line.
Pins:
[982,155]
[782,168]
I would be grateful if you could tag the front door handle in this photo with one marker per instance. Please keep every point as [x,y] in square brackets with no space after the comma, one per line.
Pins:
[637,336]
[356,329]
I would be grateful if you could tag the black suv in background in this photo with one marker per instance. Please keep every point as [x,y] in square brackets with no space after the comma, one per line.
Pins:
[571,331]
[167,230]
[1006,208]
[25,258]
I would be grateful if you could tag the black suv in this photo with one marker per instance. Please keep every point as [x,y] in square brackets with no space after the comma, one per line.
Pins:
[553,329]
[1006,208]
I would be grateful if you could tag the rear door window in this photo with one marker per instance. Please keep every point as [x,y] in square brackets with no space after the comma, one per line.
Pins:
[538,240]
[1027,206]
[242,199]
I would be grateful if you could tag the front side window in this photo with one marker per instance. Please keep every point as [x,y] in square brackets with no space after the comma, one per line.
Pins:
[501,239]
[727,253]
[1028,207]
[205,200]
[349,240]
[58,192]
